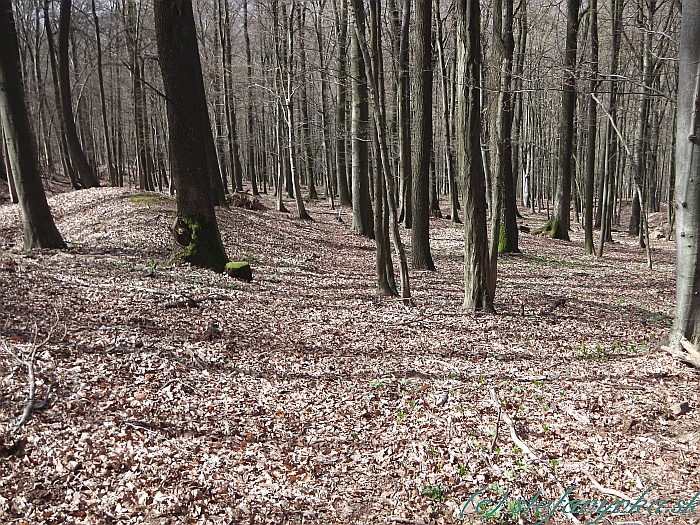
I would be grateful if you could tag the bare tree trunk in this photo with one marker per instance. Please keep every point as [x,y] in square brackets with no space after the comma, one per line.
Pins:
[686,322]
[250,160]
[421,257]
[103,103]
[380,125]
[504,47]
[39,228]
[340,10]
[196,229]
[65,155]
[477,283]
[592,129]
[449,157]
[328,175]
[403,94]
[558,226]
[362,219]
[75,150]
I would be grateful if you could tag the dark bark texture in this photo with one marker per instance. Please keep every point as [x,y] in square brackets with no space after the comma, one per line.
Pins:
[39,228]
[182,80]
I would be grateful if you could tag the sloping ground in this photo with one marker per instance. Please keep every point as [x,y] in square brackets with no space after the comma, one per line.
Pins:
[303,397]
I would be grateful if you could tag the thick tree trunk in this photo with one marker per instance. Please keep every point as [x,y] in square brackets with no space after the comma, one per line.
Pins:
[184,88]
[421,257]
[687,190]
[39,228]
[477,283]
[504,48]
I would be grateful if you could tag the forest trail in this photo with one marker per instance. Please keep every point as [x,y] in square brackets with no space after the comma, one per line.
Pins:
[305,397]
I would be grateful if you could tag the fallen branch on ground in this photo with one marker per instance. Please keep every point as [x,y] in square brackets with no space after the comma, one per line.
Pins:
[555,304]
[513,435]
[691,355]
[191,302]
[31,405]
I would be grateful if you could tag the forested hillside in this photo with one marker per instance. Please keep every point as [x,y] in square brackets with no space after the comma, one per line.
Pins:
[300,261]
[179,394]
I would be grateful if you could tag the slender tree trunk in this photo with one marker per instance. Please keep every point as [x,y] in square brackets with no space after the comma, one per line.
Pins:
[39,228]
[385,283]
[362,219]
[328,175]
[65,155]
[559,225]
[449,157]
[504,47]
[75,150]
[44,131]
[611,139]
[403,95]
[380,124]
[103,103]
[340,9]
[592,129]
[250,157]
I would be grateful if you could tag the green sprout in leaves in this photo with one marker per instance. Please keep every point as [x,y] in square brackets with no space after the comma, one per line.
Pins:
[436,493]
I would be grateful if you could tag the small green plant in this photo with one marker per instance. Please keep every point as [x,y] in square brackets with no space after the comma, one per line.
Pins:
[354,435]
[481,379]
[462,470]
[516,389]
[545,427]
[377,384]
[554,463]
[435,492]
[509,474]
[401,416]
[412,403]
[539,383]
[514,509]
[432,451]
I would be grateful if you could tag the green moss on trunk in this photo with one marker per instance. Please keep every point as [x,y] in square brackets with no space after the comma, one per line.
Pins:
[554,229]
[505,243]
[205,249]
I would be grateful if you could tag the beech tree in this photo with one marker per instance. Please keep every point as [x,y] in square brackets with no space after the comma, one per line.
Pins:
[478,292]
[39,228]
[423,143]
[687,190]
[196,230]
[558,226]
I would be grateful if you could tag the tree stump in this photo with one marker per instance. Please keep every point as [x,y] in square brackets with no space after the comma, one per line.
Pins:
[239,270]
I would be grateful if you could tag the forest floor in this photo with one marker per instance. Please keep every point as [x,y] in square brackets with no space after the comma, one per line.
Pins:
[304,397]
